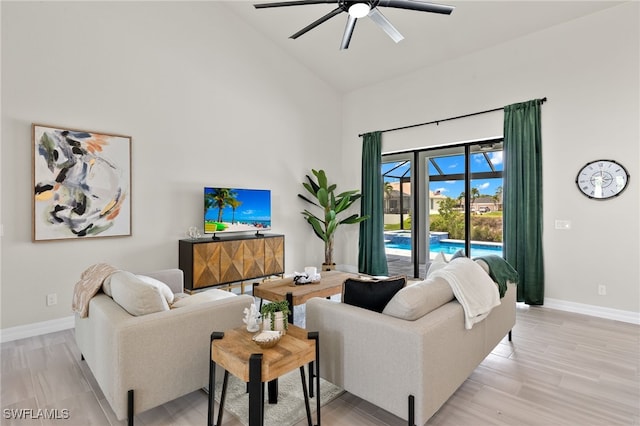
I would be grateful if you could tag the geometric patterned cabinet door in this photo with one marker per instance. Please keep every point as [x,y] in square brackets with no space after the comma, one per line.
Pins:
[230,259]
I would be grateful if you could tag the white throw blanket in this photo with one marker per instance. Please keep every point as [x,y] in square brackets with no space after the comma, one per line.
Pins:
[472,286]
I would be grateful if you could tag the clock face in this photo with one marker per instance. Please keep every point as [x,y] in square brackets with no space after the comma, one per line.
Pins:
[602,179]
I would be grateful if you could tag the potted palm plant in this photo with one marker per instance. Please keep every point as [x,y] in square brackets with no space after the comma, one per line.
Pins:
[275,316]
[331,205]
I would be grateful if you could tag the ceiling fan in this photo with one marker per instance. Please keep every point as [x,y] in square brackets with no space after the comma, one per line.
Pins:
[359,9]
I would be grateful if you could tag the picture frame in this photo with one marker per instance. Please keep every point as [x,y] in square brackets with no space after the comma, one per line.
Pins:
[81,184]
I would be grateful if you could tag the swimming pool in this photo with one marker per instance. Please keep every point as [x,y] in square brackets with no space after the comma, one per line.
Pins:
[449,247]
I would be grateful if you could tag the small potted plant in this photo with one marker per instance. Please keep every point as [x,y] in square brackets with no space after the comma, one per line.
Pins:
[275,316]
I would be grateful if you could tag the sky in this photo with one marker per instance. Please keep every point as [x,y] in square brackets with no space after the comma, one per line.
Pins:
[454,164]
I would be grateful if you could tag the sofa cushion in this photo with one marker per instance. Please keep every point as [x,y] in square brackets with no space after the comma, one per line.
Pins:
[457,254]
[164,289]
[438,262]
[371,294]
[106,286]
[136,296]
[416,300]
[202,297]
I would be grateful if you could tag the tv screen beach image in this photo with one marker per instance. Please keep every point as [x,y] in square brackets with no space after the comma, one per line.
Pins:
[236,210]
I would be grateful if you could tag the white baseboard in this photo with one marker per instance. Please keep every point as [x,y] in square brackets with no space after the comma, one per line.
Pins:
[36,329]
[594,311]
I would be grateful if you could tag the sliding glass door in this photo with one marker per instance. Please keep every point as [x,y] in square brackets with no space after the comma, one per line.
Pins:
[457,194]
[399,227]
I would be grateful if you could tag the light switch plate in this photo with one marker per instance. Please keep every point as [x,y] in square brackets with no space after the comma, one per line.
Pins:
[563,224]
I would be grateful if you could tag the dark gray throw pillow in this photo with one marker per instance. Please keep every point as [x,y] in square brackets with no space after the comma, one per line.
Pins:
[371,294]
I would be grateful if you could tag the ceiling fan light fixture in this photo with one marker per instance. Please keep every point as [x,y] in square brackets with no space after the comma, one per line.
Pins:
[359,10]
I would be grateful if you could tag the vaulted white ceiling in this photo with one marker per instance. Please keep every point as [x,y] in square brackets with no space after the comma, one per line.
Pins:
[429,38]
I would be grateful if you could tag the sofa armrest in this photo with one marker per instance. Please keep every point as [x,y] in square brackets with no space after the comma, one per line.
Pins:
[174,278]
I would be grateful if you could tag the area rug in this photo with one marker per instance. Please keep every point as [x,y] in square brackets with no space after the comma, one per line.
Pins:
[290,407]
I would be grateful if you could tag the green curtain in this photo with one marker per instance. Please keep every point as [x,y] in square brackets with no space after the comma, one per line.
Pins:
[522,226]
[372,259]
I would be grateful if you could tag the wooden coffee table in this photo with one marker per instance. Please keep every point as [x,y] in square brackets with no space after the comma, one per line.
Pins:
[284,289]
[234,351]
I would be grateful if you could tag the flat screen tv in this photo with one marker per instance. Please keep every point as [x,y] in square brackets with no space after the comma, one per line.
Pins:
[236,210]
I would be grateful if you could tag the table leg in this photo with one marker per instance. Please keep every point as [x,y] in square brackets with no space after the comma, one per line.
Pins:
[256,393]
[316,336]
[306,396]
[272,391]
[254,286]
[311,377]
[212,383]
[290,301]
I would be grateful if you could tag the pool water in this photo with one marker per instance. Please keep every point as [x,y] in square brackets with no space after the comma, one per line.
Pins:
[450,248]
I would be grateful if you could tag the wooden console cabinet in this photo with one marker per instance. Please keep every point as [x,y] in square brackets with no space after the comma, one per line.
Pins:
[230,259]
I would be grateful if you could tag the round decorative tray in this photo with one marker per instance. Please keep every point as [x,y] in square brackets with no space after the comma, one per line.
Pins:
[267,339]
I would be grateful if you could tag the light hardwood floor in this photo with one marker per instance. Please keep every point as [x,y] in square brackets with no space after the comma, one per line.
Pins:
[560,369]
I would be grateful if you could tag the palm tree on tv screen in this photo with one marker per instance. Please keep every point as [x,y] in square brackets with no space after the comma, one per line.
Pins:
[234,203]
[221,198]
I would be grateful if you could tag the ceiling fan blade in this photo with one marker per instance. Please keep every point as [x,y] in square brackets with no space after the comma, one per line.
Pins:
[420,6]
[348,32]
[317,22]
[377,17]
[292,3]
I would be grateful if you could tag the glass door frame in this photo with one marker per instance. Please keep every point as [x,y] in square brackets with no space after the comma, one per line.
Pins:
[419,171]
[412,157]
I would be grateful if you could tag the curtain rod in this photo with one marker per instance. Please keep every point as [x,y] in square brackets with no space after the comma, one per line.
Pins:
[437,122]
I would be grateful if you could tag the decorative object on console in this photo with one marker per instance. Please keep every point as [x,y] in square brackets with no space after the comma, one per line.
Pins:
[602,179]
[252,318]
[275,316]
[331,205]
[82,184]
[194,232]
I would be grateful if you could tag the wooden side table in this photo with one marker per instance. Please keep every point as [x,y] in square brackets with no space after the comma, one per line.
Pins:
[283,289]
[237,354]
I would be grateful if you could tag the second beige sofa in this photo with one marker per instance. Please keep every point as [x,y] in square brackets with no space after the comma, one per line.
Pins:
[409,368]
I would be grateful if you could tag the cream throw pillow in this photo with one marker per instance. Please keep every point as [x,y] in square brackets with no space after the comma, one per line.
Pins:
[136,296]
[416,300]
[439,262]
[202,297]
[164,289]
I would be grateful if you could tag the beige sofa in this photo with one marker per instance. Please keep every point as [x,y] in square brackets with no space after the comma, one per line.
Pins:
[159,356]
[407,367]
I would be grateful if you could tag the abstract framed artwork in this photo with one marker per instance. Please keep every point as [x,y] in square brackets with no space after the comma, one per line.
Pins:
[81,184]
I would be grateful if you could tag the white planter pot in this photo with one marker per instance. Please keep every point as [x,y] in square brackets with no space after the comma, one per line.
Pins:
[278,323]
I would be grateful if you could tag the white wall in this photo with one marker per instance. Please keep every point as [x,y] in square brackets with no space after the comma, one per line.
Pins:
[207,101]
[589,70]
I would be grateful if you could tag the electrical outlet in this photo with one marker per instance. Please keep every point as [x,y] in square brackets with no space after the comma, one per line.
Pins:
[52,299]
[602,290]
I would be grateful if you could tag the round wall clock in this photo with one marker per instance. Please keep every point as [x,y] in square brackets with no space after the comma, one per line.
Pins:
[602,179]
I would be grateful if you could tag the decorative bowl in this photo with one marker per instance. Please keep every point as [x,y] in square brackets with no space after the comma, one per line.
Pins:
[267,339]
